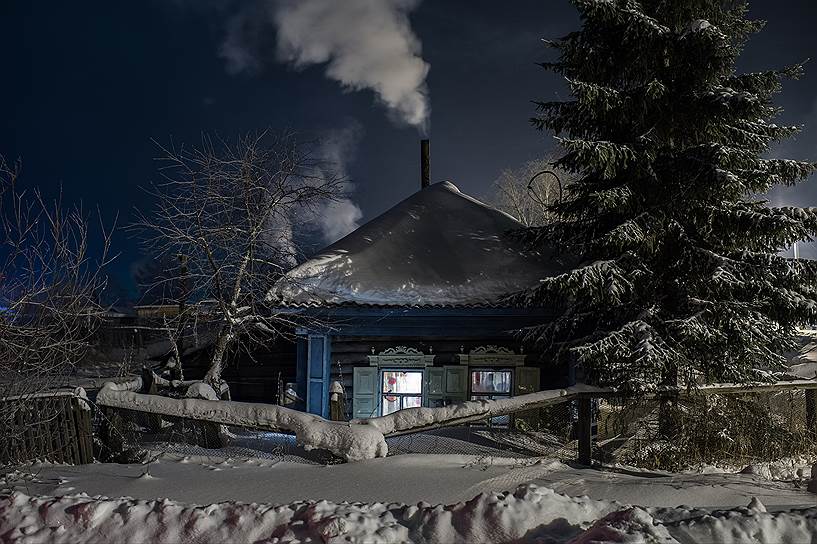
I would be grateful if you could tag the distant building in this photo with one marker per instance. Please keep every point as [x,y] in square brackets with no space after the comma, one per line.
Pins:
[151,311]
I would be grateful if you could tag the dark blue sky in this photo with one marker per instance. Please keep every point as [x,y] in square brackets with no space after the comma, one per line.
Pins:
[87,85]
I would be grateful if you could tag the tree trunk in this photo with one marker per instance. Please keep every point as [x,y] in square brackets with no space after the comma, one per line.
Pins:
[213,376]
[668,406]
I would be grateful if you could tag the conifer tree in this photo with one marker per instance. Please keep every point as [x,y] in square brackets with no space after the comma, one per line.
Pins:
[679,276]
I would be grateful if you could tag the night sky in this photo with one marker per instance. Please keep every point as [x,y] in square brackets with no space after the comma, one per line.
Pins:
[87,86]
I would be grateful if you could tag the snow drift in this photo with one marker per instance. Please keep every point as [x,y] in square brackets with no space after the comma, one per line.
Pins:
[530,514]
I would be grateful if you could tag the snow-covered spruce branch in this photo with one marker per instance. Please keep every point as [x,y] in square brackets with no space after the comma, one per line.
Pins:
[623,13]
[609,159]
[605,279]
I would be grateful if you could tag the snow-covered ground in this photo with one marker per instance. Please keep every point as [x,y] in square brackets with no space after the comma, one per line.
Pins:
[437,479]
[394,499]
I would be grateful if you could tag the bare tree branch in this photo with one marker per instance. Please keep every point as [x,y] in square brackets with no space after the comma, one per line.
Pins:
[50,287]
[230,208]
[527,196]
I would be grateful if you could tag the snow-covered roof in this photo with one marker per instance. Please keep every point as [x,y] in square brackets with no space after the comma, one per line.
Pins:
[438,247]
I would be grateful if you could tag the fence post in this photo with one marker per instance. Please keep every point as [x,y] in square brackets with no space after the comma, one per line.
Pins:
[585,431]
[811,410]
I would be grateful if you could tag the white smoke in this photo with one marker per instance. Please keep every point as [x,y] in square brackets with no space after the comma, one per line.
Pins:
[339,217]
[365,44]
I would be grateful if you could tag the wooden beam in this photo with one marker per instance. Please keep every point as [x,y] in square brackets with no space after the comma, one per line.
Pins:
[709,389]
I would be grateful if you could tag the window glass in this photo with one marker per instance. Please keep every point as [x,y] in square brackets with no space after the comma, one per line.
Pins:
[491,381]
[395,381]
[390,404]
[412,402]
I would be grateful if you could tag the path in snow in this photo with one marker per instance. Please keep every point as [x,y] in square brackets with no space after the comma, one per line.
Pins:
[406,478]
[283,447]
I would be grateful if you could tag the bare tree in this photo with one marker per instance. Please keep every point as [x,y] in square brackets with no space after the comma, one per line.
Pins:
[526,192]
[50,287]
[229,207]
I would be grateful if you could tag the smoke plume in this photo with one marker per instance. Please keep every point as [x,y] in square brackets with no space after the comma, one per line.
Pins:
[339,217]
[365,44]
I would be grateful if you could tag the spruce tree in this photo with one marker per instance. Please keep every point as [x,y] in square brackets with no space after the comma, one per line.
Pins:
[678,275]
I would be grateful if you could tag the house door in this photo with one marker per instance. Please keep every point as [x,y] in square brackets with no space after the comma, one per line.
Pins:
[400,389]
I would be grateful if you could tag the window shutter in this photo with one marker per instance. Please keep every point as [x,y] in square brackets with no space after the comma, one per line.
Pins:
[527,380]
[365,392]
[456,383]
[318,360]
[434,387]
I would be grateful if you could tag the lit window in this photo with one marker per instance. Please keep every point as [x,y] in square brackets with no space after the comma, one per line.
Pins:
[492,384]
[401,389]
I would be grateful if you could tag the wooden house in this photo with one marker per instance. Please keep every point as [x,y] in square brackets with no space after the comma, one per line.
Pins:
[408,309]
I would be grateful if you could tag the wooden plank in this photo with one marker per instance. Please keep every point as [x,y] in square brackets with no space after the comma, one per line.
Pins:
[28,416]
[79,438]
[60,453]
[19,453]
[50,446]
[50,412]
[67,452]
[88,445]
[56,437]
[89,432]
[75,427]
[42,429]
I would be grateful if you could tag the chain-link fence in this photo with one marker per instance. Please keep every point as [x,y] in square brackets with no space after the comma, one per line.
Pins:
[540,432]
[133,436]
[736,429]
[732,428]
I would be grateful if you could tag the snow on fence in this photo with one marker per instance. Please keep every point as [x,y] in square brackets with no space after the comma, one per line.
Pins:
[366,438]
[53,426]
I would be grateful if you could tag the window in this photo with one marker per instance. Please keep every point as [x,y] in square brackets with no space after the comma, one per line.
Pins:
[489,384]
[401,389]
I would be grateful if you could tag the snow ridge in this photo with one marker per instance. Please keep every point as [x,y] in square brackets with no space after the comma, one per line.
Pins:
[530,514]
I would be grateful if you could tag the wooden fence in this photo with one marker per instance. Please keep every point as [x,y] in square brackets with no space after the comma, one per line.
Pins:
[53,426]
